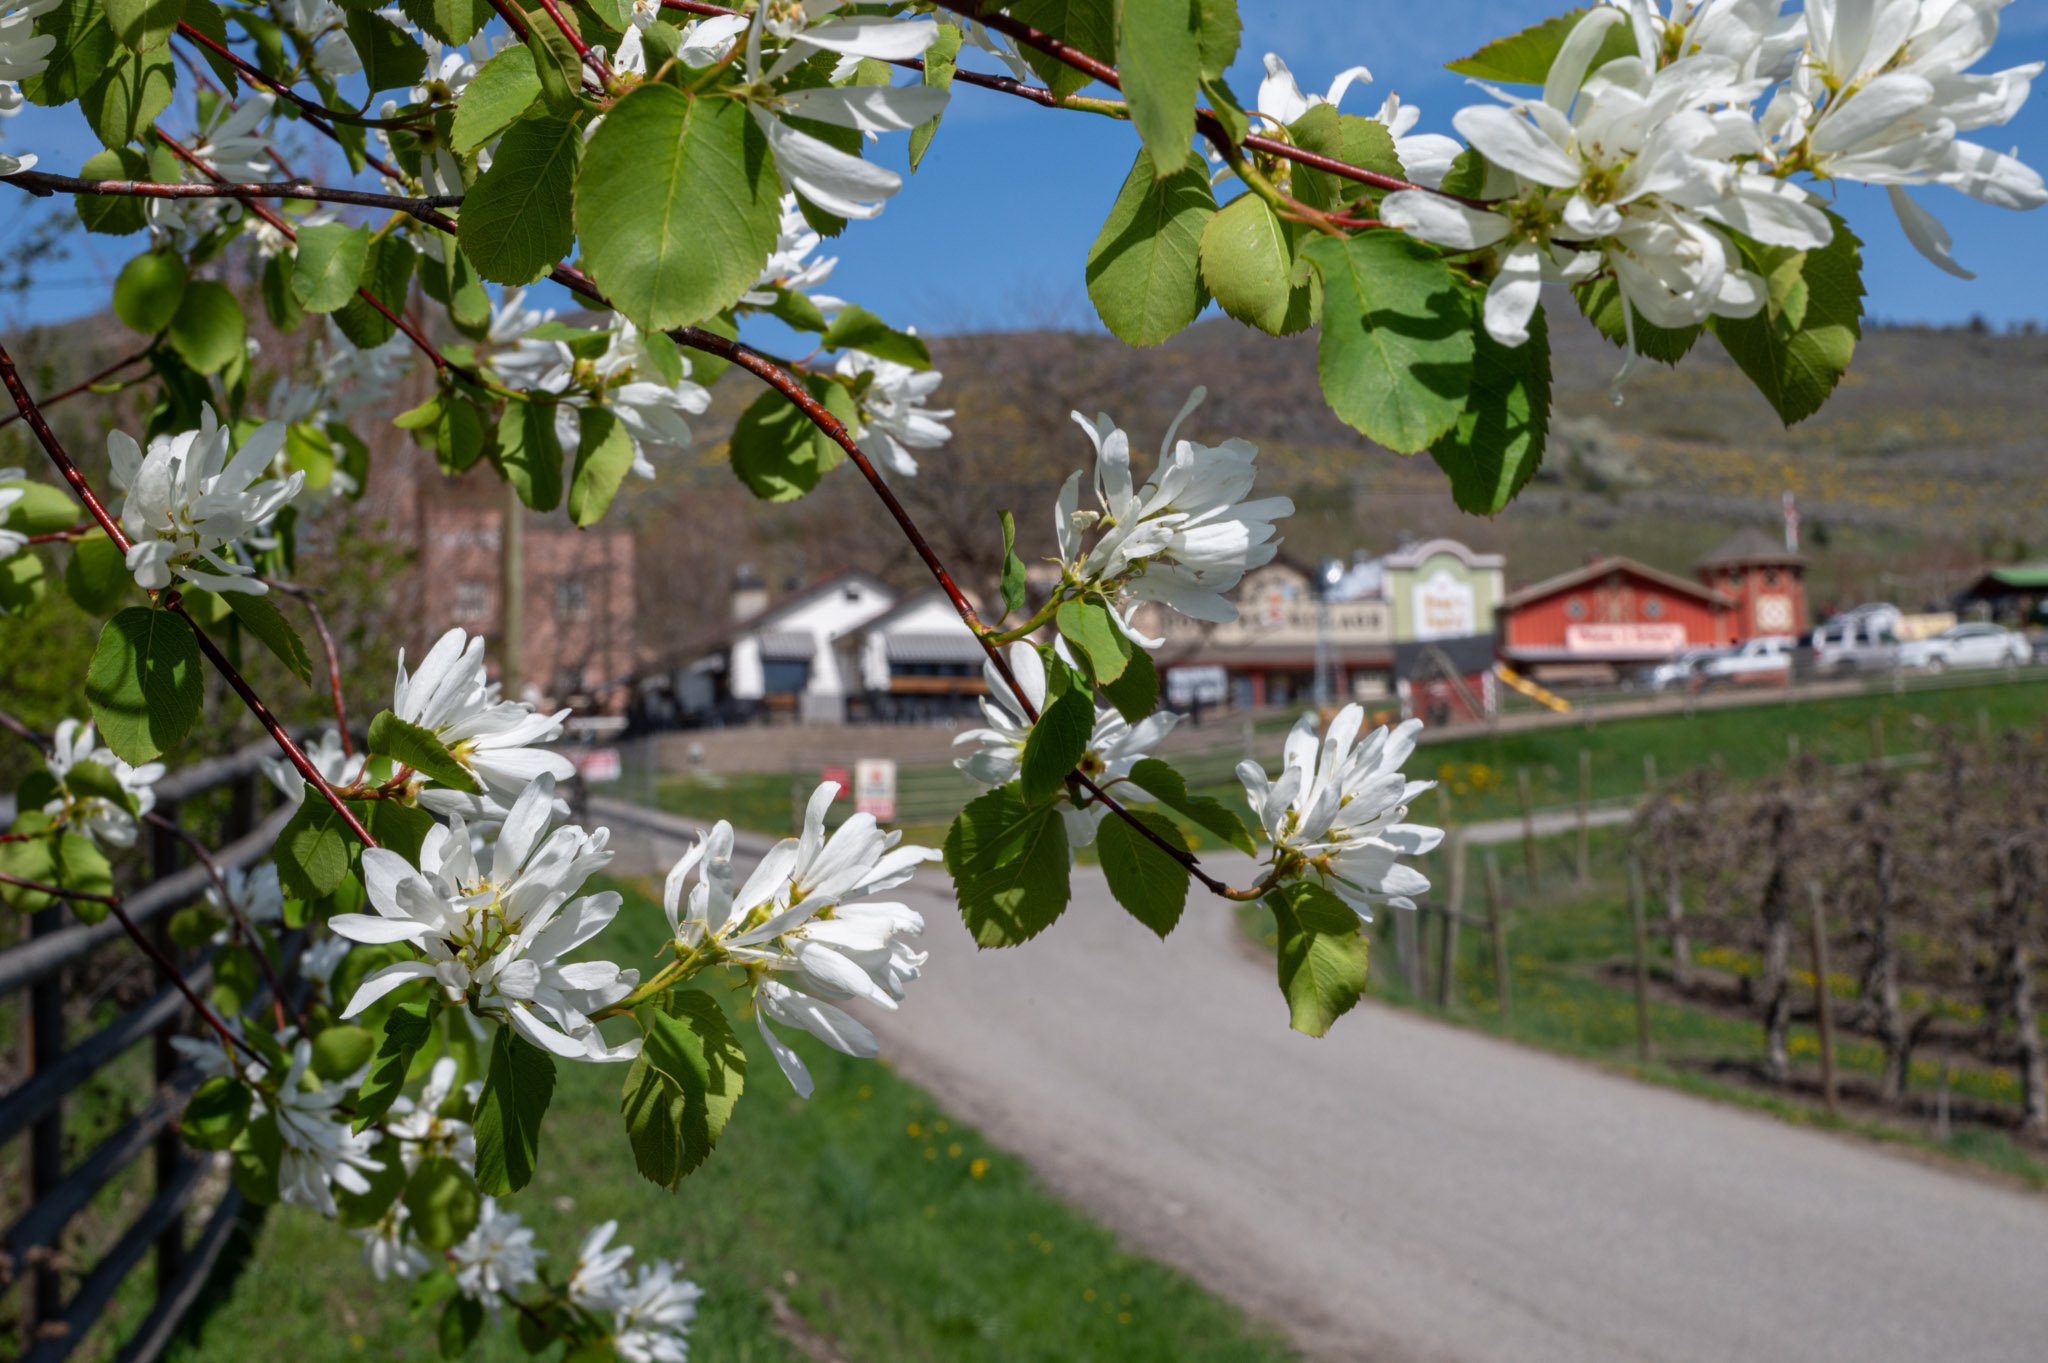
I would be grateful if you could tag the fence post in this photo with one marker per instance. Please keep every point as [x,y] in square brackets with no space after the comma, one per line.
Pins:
[1644,1048]
[1877,738]
[1454,909]
[165,852]
[1649,773]
[1823,1000]
[1585,818]
[1497,928]
[1407,950]
[45,1154]
[1528,828]
[1792,749]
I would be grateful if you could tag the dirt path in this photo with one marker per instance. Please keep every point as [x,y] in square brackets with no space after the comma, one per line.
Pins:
[1403,1190]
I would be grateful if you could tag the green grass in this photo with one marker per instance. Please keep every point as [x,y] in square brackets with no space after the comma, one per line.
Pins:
[893,1231]
[1563,943]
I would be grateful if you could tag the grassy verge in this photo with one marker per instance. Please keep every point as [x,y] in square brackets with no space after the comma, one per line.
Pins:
[866,1218]
[1564,943]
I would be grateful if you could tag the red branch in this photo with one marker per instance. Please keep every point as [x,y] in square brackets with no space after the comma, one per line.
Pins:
[43,184]
[75,389]
[315,112]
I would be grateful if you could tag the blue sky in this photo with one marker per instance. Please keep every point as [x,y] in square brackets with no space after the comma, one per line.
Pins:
[992,232]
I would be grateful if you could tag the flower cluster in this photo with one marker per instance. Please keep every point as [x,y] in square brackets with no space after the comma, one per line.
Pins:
[494,935]
[190,507]
[805,925]
[650,1311]
[1185,538]
[1336,815]
[452,697]
[1644,167]
[23,54]
[93,813]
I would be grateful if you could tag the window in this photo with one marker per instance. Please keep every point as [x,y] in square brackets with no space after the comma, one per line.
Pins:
[472,600]
[1575,608]
[1653,608]
[785,676]
[1770,577]
[572,601]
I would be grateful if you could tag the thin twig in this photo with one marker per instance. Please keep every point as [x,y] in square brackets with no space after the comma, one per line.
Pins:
[304,596]
[42,184]
[82,385]
[312,109]
[244,929]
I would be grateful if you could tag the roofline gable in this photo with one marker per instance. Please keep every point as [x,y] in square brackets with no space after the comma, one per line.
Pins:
[1536,591]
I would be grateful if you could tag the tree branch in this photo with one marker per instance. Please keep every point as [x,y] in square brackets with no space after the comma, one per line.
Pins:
[75,389]
[43,184]
[314,112]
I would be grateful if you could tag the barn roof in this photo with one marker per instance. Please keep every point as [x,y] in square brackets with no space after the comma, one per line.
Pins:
[1600,568]
[1746,546]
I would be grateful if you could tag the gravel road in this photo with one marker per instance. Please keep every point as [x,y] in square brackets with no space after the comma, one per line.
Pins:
[1403,1190]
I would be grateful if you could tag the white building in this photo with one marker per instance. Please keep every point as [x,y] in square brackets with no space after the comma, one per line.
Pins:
[788,656]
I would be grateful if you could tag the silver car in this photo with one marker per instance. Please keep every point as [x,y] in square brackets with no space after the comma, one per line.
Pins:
[1972,645]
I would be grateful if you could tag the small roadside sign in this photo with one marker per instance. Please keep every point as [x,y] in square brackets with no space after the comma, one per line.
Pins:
[874,787]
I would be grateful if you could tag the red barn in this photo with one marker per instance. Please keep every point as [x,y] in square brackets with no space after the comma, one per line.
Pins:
[1765,579]
[1610,615]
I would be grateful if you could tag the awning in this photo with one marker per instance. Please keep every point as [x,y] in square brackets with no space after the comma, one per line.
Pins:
[949,646]
[785,648]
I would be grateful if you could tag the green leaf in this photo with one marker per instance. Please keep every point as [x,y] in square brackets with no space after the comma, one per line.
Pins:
[1323,955]
[452,21]
[1087,24]
[776,450]
[650,170]
[148,290]
[604,453]
[417,748]
[504,88]
[113,215]
[261,617]
[1248,263]
[462,1320]
[855,328]
[444,1202]
[681,1092]
[313,849]
[1168,787]
[209,329]
[1058,742]
[144,682]
[1362,142]
[331,260]
[390,59]
[284,309]
[1144,270]
[357,1210]
[1159,56]
[1600,300]
[1524,58]
[215,1114]
[517,1090]
[1497,444]
[406,1030]
[529,453]
[386,276]
[940,60]
[1395,356]
[96,780]
[128,94]
[1151,886]
[206,17]
[40,508]
[1220,31]
[1010,867]
[1087,624]
[97,576]
[1014,584]
[516,220]
[52,856]
[85,45]
[555,60]
[21,583]
[340,1051]
[1134,693]
[255,1154]
[1798,347]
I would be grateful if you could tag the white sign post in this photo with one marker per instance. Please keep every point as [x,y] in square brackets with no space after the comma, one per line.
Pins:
[874,787]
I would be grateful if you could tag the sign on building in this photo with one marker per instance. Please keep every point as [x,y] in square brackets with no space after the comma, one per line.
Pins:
[1444,607]
[598,766]
[874,787]
[1620,639]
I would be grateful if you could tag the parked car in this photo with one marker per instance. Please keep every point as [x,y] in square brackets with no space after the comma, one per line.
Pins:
[1973,645]
[1765,660]
[1681,672]
[1862,640]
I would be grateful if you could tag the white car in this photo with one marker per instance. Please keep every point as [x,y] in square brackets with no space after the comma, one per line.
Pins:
[1975,645]
[1680,672]
[1764,660]
[1863,640]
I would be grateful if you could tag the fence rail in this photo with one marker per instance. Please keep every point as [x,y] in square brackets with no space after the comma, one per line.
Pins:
[35,1258]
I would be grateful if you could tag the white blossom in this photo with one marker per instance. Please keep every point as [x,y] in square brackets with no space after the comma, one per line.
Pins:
[335,764]
[600,1273]
[790,265]
[495,935]
[106,822]
[651,1318]
[320,1149]
[1281,101]
[388,1250]
[255,896]
[189,505]
[1425,157]
[1336,814]
[837,181]
[892,409]
[1185,539]
[12,542]
[451,697]
[422,1132]
[498,1257]
[808,915]
[1114,747]
[23,54]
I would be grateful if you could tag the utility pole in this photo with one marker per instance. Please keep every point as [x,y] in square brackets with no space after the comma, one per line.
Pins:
[511,592]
